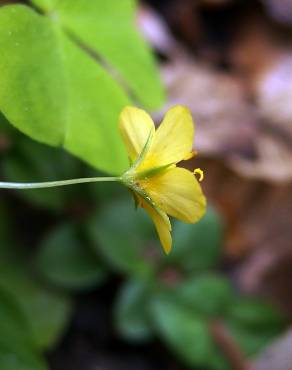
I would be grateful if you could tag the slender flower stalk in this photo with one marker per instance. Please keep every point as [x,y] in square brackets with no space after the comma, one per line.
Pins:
[55,184]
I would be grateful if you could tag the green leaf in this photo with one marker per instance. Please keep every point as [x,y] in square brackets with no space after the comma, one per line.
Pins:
[53,87]
[47,312]
[254,323]
[124,237]
[48,89]
[66,260]
[184,330]
[109,30]
[132,311]
[198,247]
[209,294]
[255,314]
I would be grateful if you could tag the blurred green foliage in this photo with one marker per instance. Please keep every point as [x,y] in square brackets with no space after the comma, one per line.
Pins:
[178,297]
[26,328]
[65,259]
[66,72]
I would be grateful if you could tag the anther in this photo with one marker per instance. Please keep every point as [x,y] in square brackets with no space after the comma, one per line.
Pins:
[199,172]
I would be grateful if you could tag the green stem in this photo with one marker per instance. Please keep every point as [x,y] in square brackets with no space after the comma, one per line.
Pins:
[52,184]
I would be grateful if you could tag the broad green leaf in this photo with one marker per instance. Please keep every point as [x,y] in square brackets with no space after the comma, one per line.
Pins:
[198,247]
[54,89]
[47,312]
[184,330]
[11,359]
[132,310]
[66,260]
[55,92]
[31,75]
[124,237]
[110,30]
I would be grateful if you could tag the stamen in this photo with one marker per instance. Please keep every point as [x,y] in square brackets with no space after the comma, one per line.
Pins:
[200,173]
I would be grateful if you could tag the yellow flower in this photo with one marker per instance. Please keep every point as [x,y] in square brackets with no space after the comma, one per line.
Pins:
[158,185]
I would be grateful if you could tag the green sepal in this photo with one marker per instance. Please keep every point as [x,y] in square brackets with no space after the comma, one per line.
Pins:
[143,153]
[152,171]
[136,188]
[129,178]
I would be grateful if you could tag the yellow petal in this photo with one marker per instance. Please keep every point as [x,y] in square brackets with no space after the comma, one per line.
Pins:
[173,140]
[162,225]
[178,193]
[135,126]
